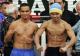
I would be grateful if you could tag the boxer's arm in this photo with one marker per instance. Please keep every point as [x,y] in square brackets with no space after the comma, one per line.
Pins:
[71,35]
[38,34]
[9,33]
[36,29]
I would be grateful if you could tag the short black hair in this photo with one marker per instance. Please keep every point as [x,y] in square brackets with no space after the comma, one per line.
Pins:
[1,4]
[5,3]
[23,4]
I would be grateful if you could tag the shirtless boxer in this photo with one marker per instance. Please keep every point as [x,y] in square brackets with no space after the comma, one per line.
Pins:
[57,31]
[24,30]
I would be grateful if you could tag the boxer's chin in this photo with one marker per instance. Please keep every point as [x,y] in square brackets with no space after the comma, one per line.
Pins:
[25,17]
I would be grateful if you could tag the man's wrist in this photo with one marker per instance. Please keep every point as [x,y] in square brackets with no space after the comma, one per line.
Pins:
[38,47]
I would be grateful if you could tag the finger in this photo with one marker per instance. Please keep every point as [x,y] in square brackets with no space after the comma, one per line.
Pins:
[61,50]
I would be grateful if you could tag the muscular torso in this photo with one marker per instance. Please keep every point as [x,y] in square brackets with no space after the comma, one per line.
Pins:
[56,35]
[24,35]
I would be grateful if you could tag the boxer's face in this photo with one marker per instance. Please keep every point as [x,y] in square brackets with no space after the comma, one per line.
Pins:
[55,16]
[25,12]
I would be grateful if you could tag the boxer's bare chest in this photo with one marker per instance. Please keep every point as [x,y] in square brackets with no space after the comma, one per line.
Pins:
[56,29]
[24,29]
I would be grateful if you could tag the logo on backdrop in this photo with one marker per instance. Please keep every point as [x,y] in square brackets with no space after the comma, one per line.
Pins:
[38,6]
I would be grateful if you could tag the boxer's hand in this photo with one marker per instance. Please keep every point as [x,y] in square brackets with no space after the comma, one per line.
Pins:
[39,48]
[63,49]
